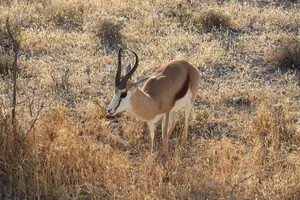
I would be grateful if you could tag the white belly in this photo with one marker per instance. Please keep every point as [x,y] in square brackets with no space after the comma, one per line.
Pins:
[157,118]
[180,103]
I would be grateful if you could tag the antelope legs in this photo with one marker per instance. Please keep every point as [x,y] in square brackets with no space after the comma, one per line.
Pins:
[172,122]
[165,135]
[187,109]
[168,124]
[151,134]
[171,125]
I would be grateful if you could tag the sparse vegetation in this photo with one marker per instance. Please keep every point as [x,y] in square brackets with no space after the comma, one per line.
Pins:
[212,20]
[287,54]
[5,49]
[5,43]
[109,35]
[198,18]
[181,12]
[5,64]
[67,15]
[244,135]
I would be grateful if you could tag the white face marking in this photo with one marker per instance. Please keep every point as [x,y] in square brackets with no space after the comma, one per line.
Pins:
[120,102]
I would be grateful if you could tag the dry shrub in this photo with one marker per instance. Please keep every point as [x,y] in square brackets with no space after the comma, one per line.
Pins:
[219,165]
[108,31]
[67,15]
[5,64]
[59,164]
[272,142]
[180,11]
[132,129]
[5,42]
[212,20]
[224,158]
[61,78]
[51,125]
[90,116]
[273,128]
[193,19]
[6,47]
[287,54]
[209,126]
[93,123]
[5,128]
[69,20]
[43,2]
[121,134]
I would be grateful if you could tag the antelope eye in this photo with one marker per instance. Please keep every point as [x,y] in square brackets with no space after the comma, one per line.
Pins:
[124,94]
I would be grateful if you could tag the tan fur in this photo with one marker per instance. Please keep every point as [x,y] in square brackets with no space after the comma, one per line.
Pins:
[143,105]
[158,94]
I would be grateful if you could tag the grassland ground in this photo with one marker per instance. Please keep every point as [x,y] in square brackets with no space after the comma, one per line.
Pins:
[244,134]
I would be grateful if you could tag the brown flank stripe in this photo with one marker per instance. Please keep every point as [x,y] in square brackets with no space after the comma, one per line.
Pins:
[183,90]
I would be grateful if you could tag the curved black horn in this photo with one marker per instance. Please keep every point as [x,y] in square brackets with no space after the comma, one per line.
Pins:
[129,74]
[118,75]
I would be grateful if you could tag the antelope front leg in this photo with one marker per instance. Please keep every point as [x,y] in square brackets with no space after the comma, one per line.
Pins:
[151,134]
[172,122]
[166,136]
[188,108]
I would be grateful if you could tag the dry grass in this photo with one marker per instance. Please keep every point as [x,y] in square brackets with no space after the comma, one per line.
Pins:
[5,48]
[286,55]
[244,132]
[212,20]
[108,33]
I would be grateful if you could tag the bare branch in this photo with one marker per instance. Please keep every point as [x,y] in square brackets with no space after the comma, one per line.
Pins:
[42,106]
[243,180]
[291,36]
[21,21]
[15,69]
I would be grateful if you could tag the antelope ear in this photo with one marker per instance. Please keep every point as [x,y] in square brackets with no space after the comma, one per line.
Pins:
[128,68]
[140,82]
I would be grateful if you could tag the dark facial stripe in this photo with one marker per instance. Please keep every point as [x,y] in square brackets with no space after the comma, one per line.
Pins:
[121,97]
[118,103]
[181,93]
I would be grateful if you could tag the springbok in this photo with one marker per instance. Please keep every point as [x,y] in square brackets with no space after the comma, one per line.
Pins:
[173,87]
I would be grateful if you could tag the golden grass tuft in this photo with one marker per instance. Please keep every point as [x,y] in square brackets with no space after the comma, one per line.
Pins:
[57,155]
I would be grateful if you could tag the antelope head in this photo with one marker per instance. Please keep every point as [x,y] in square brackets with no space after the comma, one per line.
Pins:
[124,89]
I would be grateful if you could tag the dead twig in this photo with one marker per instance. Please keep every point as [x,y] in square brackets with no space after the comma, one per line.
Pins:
[16,47]
[35,119]
[291,36]
[243,180]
